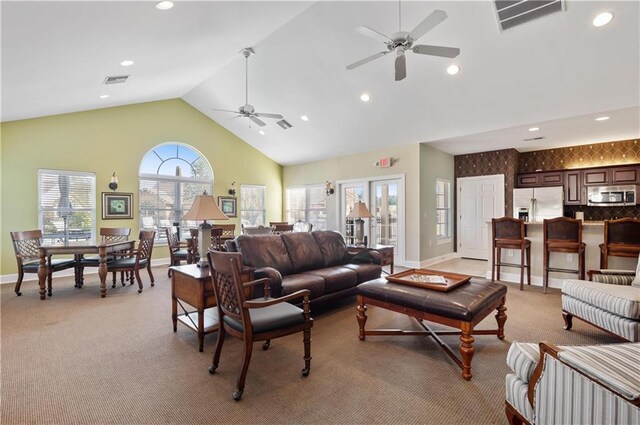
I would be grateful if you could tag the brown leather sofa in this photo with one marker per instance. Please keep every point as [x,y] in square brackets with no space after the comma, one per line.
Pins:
[318,261]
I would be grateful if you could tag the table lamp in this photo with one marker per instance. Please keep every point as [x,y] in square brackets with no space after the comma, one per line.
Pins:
[204,208]
[359,212]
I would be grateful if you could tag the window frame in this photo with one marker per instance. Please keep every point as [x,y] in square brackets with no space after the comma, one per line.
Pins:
[307,208]
[264,203]
[91,209]
[447,208]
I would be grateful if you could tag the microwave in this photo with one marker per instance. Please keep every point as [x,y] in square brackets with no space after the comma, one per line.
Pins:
[611,196]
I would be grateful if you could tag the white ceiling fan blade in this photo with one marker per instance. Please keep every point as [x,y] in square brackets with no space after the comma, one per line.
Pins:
[257,121]
[445,52]
[401,67]
[369,32]
[261,114]
[225,110]
[365,60]
[427,24]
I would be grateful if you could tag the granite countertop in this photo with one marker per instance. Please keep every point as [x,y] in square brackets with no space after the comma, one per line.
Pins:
[584,223]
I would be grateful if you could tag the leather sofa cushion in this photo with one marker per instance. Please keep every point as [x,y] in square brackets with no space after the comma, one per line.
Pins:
[264,251]
[336,278]
[295,282]
[274,317]
[304,251]
[365,272]
[332,246]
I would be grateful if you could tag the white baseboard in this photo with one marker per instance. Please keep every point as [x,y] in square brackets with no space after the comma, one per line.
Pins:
[431,261]
[535,280]
[13,278]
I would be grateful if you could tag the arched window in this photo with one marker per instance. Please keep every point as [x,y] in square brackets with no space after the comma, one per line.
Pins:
[171,176]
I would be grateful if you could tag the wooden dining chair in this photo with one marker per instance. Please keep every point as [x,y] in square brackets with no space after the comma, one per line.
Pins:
[26,246]
[283,228]
[177,249]
[621,239]
[193,254]
[135,260]
[107,235]
[254,320]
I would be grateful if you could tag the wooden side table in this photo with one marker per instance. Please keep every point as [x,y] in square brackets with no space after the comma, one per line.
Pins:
[386,252]
[192,285]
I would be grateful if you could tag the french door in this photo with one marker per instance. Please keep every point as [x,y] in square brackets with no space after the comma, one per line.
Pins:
[385,200]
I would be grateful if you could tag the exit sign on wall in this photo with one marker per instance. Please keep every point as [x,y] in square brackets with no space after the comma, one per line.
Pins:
[384,162]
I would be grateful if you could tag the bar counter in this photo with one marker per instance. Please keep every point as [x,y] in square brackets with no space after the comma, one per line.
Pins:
[592,236]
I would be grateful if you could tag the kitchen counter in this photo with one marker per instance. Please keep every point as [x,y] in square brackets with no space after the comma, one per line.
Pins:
[584,223]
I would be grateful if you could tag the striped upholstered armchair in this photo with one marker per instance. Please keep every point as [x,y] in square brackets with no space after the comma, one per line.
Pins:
[597,384]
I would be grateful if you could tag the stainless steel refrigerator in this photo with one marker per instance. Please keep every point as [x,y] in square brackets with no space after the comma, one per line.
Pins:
[537,203]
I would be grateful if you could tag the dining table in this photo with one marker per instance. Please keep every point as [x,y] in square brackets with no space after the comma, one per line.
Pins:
[78,249]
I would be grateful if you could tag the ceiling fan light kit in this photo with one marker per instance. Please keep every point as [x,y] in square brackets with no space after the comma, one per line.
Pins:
[247,110]
[402,41]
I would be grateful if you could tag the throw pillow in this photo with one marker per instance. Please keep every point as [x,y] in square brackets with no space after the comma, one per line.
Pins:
[636,281]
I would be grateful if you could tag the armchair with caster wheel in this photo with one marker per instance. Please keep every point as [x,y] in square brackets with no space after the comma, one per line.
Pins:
[261,319]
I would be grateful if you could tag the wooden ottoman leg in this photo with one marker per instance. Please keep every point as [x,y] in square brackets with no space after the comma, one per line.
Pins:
[361,316]
[466,351]
[501,318]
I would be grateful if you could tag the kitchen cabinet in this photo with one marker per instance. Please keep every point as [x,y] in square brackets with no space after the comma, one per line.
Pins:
[549,178]
[612,176]
[574,191]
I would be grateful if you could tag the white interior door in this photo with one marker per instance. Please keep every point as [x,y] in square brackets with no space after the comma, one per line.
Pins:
[479,200]
[386,227]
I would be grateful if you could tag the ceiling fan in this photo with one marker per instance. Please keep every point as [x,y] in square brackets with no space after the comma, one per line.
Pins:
[246,110]
[402,41]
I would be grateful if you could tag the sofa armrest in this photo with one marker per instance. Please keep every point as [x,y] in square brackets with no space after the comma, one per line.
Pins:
[366,256]
[274,276]
[612,277]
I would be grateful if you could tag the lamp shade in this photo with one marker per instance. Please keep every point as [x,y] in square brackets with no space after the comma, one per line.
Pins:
[359,211]
[204,208]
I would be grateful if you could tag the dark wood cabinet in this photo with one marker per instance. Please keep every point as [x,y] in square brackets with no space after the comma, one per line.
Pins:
[612,176]
[625,175]
[550,178]
[596,177]
[573,188]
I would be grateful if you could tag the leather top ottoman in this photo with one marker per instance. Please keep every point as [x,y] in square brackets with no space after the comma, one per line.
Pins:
[463,303]
[462,308]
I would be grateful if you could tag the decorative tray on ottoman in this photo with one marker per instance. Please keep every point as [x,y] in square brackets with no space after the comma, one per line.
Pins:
[429,279]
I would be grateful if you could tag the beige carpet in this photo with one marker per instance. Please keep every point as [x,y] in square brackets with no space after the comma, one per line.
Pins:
[79,359]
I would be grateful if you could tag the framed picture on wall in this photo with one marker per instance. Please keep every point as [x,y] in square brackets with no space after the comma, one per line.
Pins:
[117,205]
[228,205]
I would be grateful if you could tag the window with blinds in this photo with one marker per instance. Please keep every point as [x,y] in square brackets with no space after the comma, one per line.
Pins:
[308,203]
[171,176]
[66,206]
[443,211]
[253,211]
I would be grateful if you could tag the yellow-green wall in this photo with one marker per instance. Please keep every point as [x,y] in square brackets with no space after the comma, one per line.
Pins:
[115,139]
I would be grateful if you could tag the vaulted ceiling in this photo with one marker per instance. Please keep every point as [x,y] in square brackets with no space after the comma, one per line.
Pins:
[557,73]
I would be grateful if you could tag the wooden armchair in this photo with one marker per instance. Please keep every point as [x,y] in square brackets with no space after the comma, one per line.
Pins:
[26,246]
[177,249]
[283,228]
[254,320]
[228,231]
[193,254]
[107,235]
[136,260]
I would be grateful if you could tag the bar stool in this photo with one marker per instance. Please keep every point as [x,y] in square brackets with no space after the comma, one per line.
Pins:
[621,239]
[562,234]
[508,233]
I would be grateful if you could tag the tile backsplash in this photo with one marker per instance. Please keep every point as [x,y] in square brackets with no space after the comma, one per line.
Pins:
[602,213]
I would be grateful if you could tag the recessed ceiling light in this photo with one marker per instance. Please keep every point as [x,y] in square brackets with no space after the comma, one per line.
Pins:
[262,132]
[602,19]
[126,63]
[534,129]
[364,97]
[164,5]
[602,118]
[453,69]
[104,96]
[304,118]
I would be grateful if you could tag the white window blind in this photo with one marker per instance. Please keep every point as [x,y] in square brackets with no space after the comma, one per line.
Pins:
[171,176]
[443,210]
[308,203]
[253,211]
[66,205]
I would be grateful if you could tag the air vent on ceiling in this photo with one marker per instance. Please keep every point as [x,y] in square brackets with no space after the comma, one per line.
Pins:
[116,79]
[512,13]
[534,138]
[284,124]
